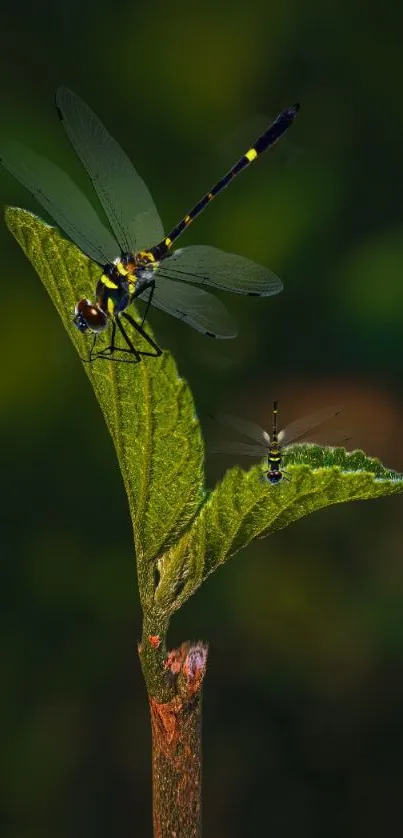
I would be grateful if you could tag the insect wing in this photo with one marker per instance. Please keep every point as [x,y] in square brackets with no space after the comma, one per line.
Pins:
[243,448]
[123,194]
[207,265]
[62,199]
[246,428]
[333,441]
[194,306]
[302,427]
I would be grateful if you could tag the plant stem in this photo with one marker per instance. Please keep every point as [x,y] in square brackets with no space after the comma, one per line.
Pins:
[177,745]
[177,767]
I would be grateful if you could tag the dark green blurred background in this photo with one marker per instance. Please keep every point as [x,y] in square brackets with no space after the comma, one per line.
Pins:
[304,694]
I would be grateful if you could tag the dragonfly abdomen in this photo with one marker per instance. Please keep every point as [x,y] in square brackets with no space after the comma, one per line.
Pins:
[267,139]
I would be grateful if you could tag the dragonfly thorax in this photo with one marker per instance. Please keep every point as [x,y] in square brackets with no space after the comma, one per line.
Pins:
[133,262]
[274,458]
[131,267]
[274,452]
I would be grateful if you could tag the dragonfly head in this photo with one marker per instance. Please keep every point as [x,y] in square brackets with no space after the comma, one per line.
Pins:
[89,317]
[273,476]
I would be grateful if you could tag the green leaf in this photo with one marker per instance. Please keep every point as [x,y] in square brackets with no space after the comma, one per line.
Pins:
[243,506]
[150,414]
[149,410]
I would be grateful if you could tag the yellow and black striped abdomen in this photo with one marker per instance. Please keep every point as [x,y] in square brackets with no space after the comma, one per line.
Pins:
[267,139]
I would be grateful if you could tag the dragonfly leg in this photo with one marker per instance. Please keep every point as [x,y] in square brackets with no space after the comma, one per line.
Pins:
[91,355]
[143,333]
[148,286]
[107,353]
[108,350]
[132,350]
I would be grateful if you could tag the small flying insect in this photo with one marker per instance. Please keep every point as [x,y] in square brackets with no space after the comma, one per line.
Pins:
[270,445]
[147,267]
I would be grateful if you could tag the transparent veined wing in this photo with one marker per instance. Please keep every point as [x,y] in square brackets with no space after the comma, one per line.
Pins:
[248,429]
[330,439]
[243,448]
[209,265]
[124,196]
[62,199]
[302,427]
[194,306]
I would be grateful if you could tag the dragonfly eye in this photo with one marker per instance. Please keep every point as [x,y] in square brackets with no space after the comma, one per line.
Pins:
[89,317]
[273,477]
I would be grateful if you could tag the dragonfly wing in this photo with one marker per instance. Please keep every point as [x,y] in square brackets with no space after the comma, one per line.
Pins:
[62,199]
[194,306]
[123,194]
[227,447]
[210,266]
[302,427]
[330,440]
[248,429]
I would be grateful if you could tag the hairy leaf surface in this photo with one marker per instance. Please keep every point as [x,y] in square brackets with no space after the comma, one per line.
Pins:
[150,414]
[243,506]
[148,408]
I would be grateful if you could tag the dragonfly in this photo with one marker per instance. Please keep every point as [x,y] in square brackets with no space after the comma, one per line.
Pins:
[136,258]
[270,445]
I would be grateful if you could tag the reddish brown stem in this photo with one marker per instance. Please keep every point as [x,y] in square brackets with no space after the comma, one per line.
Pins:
[177,747]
